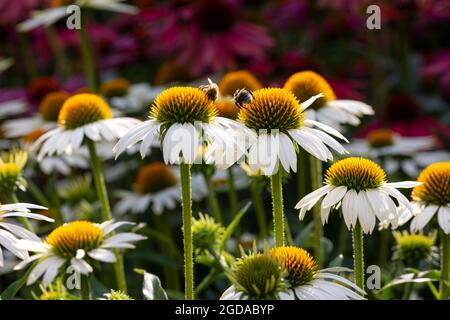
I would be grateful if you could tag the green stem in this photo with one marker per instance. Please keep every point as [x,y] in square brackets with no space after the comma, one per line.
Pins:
[233,198]
[27,55]
[259,208]
[13,199]
[277,202]
[106,210]
[444,289]
[84,288]
[88,59]
[213,201]
[206,282]
[55,44]
[408,290]
[185,173]
[358,255]
[316,166]
[232,195]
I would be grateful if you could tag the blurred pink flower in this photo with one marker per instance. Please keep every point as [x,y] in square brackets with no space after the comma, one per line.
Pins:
[436,69]
[208,36]
[287,14]
[402,114]
[348,88]
[14,11]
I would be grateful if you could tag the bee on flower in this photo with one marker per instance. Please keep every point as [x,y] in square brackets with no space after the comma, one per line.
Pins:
[183,119]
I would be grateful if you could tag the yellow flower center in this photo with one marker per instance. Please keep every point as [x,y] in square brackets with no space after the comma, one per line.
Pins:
[61,3]
[299,264]
[40,87]
[236,80]
[115,87]
[227,109]
[435,187]
[33,136]
[51,105]
[272,108]
[258,276]
[154,177]
[183,105]
[306,84]
[10,173]
[380,138]
[72,236]
[82,109]
[356,173]
[171,71]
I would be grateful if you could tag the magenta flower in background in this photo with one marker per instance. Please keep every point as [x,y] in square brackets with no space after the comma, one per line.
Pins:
[403,114]
[436,69]
[209,36]
[287,14]
[14,11]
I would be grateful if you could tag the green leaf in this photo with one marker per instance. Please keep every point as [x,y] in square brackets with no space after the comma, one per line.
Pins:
[152,288]
[14,287]
[420,277]
[229,230]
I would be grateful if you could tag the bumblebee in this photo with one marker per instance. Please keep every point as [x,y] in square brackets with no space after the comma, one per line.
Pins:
[211,90]
[242,97]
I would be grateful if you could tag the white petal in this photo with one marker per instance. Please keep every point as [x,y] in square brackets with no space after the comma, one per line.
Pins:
[444,218]
[422,218]
[334,196]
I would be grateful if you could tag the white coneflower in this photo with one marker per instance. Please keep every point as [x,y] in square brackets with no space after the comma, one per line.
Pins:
[184,119]
[59,9]
[307,282]
[12,107]
[158,186]
[82,117]
[138,96]
[431,197]
[44,120]
[327,109]
[278,128]
[73,244]
[61,164]
[278,121]
[10,233]
[86,119]
[359,187]
[287,273]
